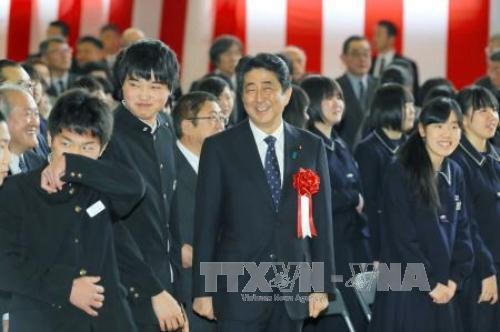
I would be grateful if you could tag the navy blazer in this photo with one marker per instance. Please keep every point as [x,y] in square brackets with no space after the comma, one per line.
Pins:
[235,219]
[352,128]
[373,154]
[482,177]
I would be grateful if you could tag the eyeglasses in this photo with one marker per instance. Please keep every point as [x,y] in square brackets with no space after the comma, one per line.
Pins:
[214,118]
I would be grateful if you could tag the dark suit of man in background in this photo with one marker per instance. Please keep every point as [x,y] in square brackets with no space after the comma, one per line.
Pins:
[358,87]
[384,38]
[246,207]
[196,116]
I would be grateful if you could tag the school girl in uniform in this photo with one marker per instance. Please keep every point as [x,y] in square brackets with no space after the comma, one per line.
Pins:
[392,115]
[424,222]
[481,166]
[325,111]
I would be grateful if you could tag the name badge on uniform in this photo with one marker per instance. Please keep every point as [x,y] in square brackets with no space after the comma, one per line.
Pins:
[458,203]
[350,175]
[95,209]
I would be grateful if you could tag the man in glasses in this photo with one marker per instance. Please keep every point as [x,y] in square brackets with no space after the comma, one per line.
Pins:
[56,52]
[196,116]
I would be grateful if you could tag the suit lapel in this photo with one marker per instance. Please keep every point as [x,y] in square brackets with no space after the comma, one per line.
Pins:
[291,157]
[251,162]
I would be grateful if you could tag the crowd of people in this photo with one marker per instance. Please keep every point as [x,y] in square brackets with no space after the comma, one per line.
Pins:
[117,188]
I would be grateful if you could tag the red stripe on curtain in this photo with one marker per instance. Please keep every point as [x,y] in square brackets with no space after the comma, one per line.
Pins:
[173,25]
[304,29]
[19,30]
[467,38]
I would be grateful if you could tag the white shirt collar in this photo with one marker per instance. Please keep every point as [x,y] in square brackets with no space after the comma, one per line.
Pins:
[192,159]
[14,163]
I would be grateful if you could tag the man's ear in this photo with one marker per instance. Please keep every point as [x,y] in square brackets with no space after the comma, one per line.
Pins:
[287,94]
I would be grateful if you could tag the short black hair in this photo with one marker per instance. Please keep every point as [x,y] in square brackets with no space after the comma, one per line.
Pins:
[90,40]
[392,30]
[110,27]
[221,44]
[188,106]
[388,106]
[88,83]
[318,88]
[349,40]
[106,84]
[267,61]
[148,59]
[295,110]
[396,74]
[62,26]
[43,47]
[78,111]
[439,91]
[428,85]
[6,63]
[89,67]
[495,56]
[476,97]
[212,84]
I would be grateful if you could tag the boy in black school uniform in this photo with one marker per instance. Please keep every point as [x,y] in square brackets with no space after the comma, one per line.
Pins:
[57,255]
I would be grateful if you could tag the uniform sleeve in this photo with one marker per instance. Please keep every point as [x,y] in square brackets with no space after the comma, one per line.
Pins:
[322,245]
[209,195]
[462,261]
[122,186]
[399,237]
[20,273]
[370,173]
[135,274]
[343,199]
[483,260]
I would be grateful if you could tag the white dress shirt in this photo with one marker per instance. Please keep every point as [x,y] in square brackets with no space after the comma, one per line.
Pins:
[192,159]
[279,145]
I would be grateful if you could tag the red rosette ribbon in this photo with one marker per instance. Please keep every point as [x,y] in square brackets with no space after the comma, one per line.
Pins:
[306,183]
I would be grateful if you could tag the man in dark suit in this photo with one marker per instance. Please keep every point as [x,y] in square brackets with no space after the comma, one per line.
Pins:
[247,209]
[492,80]
[358,87]
[57,54]
[384,40]
[196,116]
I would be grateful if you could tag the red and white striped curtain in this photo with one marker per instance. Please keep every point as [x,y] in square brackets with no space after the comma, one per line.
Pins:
[446,37]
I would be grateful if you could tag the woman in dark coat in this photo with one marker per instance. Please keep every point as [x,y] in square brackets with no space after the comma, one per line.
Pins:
[425,227]
[392,116]
[481,166]
[325,111]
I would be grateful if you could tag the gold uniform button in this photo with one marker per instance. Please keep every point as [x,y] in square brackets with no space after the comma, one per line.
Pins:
[78,209]
[83,272]
[132,289]
[79,175]
[164,196]
[76,240]
[72,191]
[136,295]
[72,174]
[161,166]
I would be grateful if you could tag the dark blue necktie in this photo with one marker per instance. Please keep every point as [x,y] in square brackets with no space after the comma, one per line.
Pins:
[22,165]
[272,170]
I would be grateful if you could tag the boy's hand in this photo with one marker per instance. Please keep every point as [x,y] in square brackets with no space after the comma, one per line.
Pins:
[87,295]
[51,176]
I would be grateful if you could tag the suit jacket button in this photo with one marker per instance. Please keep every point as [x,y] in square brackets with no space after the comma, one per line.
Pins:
[161,166]
[72,174]
[83,272]
[72,191]
[136,295]
[132,289]
[79,175]
[498,194]
[76,240]
[78,209]
[272,256]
